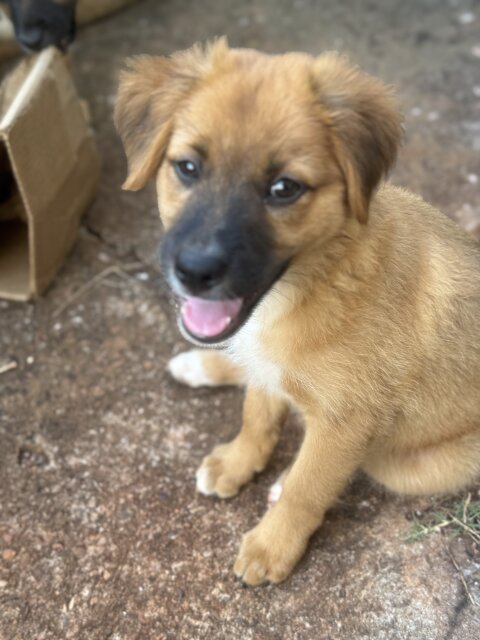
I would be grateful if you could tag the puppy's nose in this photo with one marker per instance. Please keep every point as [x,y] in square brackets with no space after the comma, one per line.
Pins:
[199,269]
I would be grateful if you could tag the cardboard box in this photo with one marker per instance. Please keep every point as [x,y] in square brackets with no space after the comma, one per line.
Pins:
[49,169]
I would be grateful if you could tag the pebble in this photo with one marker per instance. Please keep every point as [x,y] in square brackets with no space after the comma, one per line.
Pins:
[9,554]
[467,17]
[103,257]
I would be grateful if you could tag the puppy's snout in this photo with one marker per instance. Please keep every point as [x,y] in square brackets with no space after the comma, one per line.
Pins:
[41,23]
[37,37]
[200,269]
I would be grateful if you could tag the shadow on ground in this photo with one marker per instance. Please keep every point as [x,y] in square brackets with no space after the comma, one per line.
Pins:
[101,532]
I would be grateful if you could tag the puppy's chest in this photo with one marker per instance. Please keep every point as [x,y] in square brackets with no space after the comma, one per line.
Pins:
[247,350]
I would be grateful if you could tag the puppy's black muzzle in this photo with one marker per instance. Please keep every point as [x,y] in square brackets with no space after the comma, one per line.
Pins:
[221,249]
[221,246]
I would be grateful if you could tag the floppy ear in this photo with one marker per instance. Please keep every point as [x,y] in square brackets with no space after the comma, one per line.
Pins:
[151,90]
[366,125]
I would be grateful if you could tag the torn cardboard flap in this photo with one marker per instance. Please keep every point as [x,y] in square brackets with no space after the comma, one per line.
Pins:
[49,170]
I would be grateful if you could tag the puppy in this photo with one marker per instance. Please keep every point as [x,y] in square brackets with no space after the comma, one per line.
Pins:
[354,301]
[41,23]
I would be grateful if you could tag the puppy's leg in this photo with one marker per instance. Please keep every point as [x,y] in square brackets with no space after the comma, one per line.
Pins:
[205,368]
[327,459]
[446,467]
[231,465]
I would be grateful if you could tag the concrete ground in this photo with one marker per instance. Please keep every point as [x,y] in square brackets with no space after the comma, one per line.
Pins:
[101,532]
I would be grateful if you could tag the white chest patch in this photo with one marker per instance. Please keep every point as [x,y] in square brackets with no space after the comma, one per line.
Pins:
[245,348]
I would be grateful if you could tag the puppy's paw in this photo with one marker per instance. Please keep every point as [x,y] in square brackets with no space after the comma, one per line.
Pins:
[227,469]
[188,368]
[268,553]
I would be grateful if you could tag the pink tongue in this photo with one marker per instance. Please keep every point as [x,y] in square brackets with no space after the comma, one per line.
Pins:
[208,318]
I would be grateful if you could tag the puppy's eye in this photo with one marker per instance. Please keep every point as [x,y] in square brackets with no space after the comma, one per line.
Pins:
[187,170]
[284,191]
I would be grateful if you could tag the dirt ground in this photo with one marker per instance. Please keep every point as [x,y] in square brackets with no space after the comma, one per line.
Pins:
[101,532]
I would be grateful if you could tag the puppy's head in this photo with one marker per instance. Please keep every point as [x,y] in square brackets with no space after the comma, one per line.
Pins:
[258,159]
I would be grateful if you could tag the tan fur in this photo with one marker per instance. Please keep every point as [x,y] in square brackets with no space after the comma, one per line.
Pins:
[372,333]
[221,370]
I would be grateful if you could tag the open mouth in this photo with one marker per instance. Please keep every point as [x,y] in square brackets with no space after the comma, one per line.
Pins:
[212,321]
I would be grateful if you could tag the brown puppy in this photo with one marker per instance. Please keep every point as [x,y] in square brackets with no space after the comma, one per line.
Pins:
[358,306]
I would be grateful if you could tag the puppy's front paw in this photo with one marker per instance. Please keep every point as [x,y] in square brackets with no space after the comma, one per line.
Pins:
[226,469]
[188,368]
[268,553]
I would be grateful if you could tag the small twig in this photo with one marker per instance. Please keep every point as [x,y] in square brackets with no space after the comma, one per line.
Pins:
[111,284]
[8,366]
[436,527]
[462,578]
[469,530]
[425,530]
[465,507]
[120,271]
